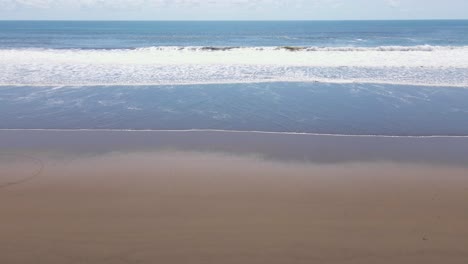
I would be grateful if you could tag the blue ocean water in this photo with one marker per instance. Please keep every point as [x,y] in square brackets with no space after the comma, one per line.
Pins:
[340,77]
[128,34]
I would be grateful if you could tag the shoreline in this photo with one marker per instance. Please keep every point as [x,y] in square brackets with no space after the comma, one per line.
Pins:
[228,131]
[287,147]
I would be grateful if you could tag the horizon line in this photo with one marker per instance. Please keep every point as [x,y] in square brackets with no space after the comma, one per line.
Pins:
[232,20]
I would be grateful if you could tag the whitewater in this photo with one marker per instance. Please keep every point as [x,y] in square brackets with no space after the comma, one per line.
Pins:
[170,65]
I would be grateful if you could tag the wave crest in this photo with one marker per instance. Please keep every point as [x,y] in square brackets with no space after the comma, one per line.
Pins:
[302,48]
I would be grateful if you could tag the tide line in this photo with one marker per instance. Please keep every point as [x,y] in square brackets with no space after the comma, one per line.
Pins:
[232,131]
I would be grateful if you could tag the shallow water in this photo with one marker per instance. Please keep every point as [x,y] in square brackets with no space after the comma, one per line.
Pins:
[358,109]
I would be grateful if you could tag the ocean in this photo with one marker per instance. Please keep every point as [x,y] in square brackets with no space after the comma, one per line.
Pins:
[396,78]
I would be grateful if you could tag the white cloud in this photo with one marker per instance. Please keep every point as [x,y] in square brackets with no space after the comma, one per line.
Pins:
[394,3]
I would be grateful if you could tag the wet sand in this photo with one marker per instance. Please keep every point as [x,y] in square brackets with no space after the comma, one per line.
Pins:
[103,197]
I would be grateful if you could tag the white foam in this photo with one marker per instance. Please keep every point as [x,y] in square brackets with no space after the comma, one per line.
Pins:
[232,131]
[417,65]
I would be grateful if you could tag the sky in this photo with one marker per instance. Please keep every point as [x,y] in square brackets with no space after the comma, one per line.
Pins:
[231,9]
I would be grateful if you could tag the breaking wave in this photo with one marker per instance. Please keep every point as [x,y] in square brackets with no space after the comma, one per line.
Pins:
[301,48]
[416,65]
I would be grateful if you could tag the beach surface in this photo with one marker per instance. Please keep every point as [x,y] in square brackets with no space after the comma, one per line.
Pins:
[214,197]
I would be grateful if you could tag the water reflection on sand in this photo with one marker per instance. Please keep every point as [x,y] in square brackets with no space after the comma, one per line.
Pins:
[212,197]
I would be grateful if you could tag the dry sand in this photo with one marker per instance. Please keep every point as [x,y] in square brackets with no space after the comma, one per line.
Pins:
[192,207]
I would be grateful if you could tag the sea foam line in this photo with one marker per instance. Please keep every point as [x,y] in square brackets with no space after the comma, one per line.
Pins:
[228,131]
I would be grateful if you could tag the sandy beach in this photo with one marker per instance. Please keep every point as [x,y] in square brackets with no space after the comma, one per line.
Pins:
[120,204]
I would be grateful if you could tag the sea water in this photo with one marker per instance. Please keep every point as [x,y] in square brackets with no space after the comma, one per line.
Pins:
[345,77]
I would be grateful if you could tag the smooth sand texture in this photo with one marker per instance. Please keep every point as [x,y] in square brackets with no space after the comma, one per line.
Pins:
[191,207]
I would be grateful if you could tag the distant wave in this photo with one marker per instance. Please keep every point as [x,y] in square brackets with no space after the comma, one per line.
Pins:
[415,65]
[302,48]
[268,48]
